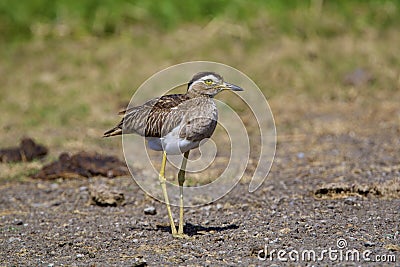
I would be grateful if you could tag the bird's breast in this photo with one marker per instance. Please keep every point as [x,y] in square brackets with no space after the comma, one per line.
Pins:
[171,143]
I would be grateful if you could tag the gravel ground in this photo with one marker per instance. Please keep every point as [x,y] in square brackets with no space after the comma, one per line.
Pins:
[54,223]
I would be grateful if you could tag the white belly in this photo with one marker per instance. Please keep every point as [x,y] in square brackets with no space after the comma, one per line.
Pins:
[172,143]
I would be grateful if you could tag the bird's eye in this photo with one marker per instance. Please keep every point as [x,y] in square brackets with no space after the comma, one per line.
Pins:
[208,81]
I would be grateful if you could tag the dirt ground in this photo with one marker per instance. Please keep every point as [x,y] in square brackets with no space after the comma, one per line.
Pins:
[335,179]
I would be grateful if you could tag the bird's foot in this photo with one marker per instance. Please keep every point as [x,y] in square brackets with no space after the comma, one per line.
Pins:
[180,235]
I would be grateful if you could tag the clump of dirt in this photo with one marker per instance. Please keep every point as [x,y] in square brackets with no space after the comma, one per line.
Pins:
[388,190]
[28,150]
[83,164]
[102,195]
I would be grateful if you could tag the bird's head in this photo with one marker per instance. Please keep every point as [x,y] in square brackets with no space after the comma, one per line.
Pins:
[209,84]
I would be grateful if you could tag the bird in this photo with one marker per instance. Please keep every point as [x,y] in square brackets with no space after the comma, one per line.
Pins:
[176,124]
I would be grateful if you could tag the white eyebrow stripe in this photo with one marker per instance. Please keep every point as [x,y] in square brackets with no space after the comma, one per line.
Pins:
[212,77]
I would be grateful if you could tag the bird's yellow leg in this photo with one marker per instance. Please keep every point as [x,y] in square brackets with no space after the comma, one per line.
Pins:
[181,180]
[165,193]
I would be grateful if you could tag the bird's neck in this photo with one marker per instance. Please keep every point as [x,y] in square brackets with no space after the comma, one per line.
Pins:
[194,94]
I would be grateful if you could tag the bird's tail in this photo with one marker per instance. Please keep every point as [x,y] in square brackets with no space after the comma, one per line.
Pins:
[117,130]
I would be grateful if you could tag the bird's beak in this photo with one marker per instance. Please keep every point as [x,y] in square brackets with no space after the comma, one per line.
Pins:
[232,87]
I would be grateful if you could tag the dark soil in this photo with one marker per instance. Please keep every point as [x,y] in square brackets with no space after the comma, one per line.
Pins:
[333,178]
[83,164]
[28,150]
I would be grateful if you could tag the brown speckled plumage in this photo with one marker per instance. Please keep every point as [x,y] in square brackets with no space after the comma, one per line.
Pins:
[194,112]
[158,116]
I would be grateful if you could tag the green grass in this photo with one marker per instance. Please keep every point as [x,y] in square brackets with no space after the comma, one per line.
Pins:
[49,18]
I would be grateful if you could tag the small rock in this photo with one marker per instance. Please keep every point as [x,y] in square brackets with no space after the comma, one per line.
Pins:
[101,195]
[185,257]
[300,155]
[139,263]
[78,256]
[207,208]
[220,238]
[18,222]
[331,206]
[245,207]
[350,201]
[150,211]
[54,186]
[369,244]
[206,222]
[12,239]
[352,238]
[285,230]
[83,188]
[145,223]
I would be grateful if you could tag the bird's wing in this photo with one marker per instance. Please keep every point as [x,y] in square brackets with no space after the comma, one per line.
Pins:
[166,114]
[153,118]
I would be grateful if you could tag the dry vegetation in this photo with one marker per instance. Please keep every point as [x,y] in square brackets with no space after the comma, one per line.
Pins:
[66,92]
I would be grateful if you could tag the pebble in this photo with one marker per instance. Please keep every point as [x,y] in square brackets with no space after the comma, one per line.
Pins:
[331,206]
[18,222]
[276,240]
[83,188]
[54,186]
[350,201]
[12,239]
[150,211]
[185,257]
[78,256]
[369,244]
[300,155]
[207,208]
[145,223]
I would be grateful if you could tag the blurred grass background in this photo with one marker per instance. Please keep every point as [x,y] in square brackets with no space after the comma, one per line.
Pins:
[27,19]
[68,66]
